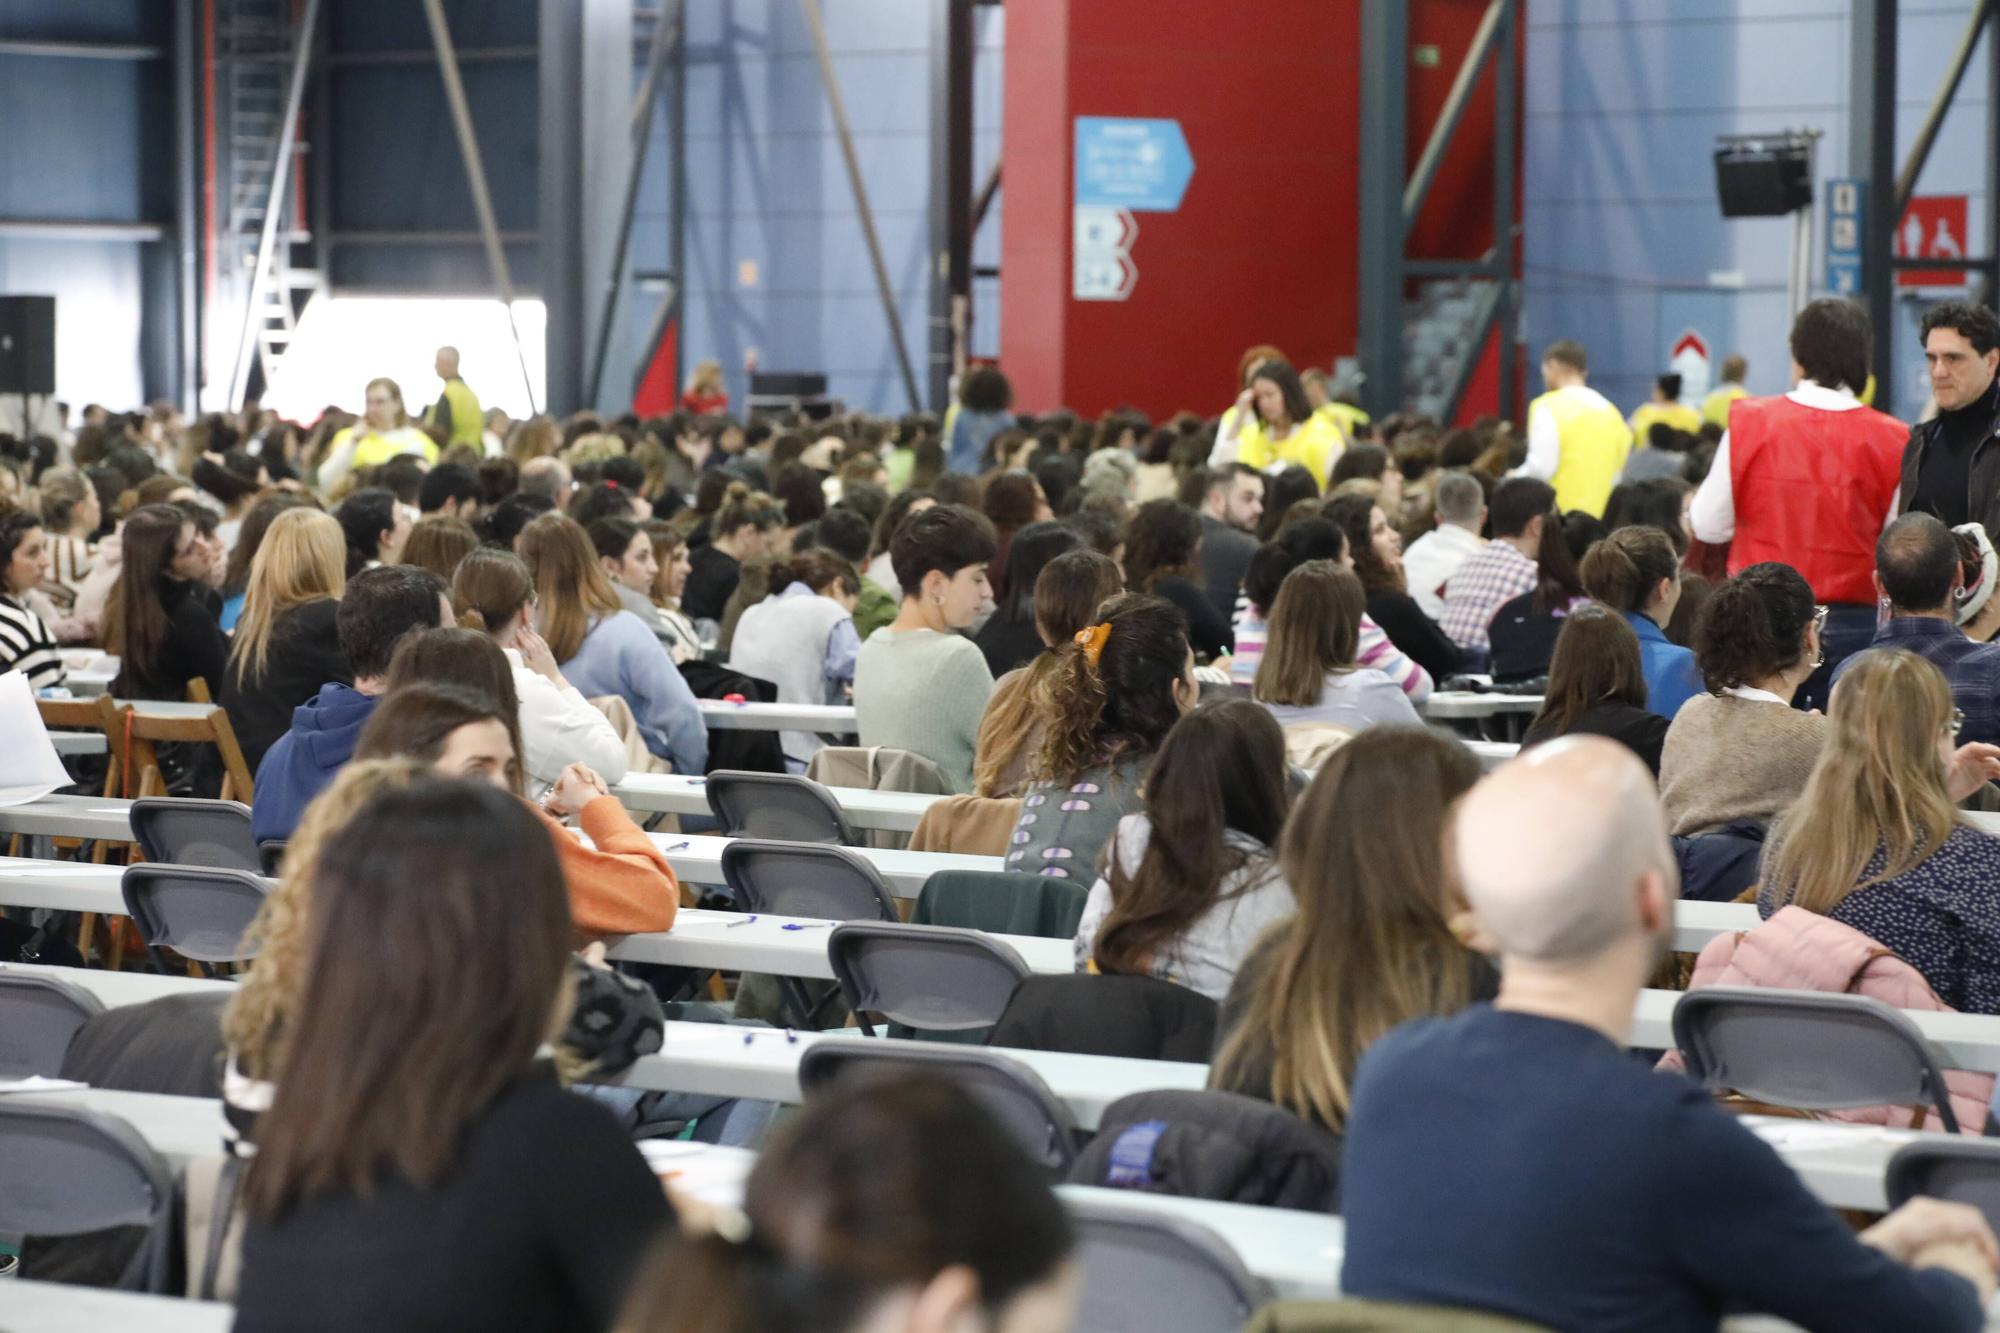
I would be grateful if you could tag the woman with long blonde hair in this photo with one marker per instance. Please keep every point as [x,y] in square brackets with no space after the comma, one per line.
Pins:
[286,644]
[1372,945]
[604,649]
[1876,841]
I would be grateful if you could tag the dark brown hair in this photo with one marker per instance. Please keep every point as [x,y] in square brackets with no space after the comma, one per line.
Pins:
[1754,626]
[836,1223]
[1221,770]
[440,690]
[1622,570]
[136,620]
[1162,539]
[1315,627]
[438,542]
[1069,590]
[418,1008]
[817,568]
[572,588]
[1124,705]
[489,588]
[1596,661]
[1355,516]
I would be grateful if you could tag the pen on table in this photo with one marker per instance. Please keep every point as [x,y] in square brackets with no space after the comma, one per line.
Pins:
[678,847]
[744,922]
[804,925]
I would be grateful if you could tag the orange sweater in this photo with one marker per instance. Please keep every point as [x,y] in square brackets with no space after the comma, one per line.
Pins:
[620,885]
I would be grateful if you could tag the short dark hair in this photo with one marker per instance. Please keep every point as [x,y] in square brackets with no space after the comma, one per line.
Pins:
[985,389]
[947,538]
[404,475]
[364,516]
[380,606]
[1833,342]
[1518,501]
[445,483]
[1223,477]
[845,533]
[1753,626]
[1916,557]
[513,513]
[797,487]
[1971,321]
[611,536]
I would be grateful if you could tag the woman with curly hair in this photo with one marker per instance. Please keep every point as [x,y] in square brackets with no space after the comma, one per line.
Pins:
[1163,557]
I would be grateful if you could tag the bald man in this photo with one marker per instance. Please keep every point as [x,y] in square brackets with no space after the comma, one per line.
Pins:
[1515,1158]
[456,412]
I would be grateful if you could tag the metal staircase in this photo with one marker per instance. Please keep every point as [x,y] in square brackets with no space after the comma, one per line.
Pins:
[257,50]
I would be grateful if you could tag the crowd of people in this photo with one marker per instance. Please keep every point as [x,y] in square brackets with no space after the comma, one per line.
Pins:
[1186,662]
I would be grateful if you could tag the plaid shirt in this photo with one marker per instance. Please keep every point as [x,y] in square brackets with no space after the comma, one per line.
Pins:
[1485,582]
[1972,670]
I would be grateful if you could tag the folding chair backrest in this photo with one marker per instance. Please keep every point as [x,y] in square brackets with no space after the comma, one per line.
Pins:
[805,879]
[144,728]
[271,856]
[187,831]
[199,912]
[1014,1093]
[1808,1049]
[776,806]
[938,978]
[1961,1170]
[98,714]
[65,1170]
[38,1016]
[1156,1273]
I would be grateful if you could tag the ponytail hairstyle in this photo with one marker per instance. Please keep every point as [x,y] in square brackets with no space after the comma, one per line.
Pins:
[1110,695]
[571,586]
[1221,771]
[1622,570]
[742,507]
[1557,584]
[1754,626]
[819,569]
[612,536]
[831,1224]
[489,588]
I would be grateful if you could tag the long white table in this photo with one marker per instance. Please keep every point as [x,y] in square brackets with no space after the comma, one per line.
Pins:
[826,719]
[79,742]
[785,946]
[683,794]
[697,859]
[70,816]
[1469,705]
[55,1307]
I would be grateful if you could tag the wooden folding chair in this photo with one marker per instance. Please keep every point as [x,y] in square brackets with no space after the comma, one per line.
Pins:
[99,714]
[138,731]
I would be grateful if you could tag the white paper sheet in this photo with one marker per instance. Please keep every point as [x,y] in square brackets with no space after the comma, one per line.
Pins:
[30,768]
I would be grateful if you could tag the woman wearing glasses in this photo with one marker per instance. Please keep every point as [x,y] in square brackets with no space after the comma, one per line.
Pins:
[1876,841]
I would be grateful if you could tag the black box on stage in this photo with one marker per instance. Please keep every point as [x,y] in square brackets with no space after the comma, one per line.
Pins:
[28,344]
[1763,180]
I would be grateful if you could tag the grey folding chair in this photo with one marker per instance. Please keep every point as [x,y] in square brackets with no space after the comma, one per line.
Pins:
[38,1016]
[778,806]
[185,831]
[804,879]
[271,854]
[1960,1170]
[1154,1272]
[936,978]
[1808,1049]
[199,912]
[65,1170]
[1014,1093]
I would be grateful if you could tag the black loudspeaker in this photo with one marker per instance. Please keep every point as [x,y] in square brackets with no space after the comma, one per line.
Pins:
[28,344]
[1763,180]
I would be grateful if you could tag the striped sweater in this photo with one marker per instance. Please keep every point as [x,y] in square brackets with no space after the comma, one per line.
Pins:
[27,646]
[1374,650]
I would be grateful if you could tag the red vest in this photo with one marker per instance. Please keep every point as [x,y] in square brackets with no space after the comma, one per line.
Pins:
[1812,489]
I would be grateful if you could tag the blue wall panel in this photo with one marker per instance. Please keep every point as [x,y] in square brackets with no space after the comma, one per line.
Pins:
[1623,101]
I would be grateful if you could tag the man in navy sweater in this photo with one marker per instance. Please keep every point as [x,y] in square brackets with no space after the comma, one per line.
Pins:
[1516,1159]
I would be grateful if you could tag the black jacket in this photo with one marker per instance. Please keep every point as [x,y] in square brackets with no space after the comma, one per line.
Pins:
[194,647]
[1983,500]
[1213,1145]
[1416,634]
[1638,730]
[304,654]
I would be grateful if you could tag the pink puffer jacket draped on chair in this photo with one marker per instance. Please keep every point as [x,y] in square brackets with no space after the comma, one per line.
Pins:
[1800,950]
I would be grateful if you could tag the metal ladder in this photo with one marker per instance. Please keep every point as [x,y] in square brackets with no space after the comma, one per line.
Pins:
[255,44]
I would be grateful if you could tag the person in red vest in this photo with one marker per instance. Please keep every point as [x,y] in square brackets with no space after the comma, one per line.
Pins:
[1810,480]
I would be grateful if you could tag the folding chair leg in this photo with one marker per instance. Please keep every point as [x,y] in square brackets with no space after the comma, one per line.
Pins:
[86,927]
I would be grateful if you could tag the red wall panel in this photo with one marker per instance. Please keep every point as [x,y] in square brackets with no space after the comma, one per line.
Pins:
[1262,248]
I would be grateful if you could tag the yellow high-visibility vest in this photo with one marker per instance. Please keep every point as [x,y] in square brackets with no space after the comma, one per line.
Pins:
[468,423]
[1715,407]
[1595,440]
[1678,415]
[1315,444]
[373,448]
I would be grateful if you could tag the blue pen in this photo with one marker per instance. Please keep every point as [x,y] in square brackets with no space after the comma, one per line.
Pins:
[804,925]
[679,847]
[744,922]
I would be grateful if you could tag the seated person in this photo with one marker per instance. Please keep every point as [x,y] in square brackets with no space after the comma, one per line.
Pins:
[1919,574]
[1876,840]
[1504,568]
[1742,752]
[919,684]
[801,638]
[1597,686]
[1163,558]
[1067,594]
[1522,634]
[414,1135]
[961,1230]
[1637,572]
[378,608]
[1378,563]
[1626,1200]
[1309,673]
[1189,885]
[1373,942]
[1117,691]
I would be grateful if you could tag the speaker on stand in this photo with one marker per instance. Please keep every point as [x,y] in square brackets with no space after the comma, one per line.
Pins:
[27,353]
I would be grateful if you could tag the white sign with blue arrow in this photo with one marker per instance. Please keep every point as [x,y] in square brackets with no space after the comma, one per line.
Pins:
[1843,236]
[1124,165]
